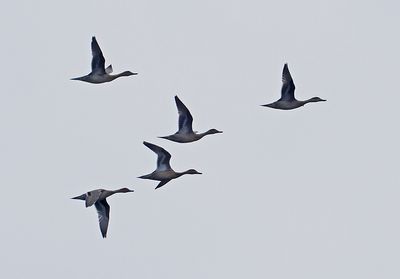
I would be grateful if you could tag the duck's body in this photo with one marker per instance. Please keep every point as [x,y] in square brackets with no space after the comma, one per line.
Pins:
[164,173]
[286,105]
[185,131]
[189,137]
[99,73]
[98,198]
[97,78]
[288,100]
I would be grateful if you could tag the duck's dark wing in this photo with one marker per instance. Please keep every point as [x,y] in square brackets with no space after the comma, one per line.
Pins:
[163,156]
[103,211]
[288,87]
[98,60]
[185,118]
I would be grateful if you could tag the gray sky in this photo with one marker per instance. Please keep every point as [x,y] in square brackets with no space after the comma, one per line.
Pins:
[310,193]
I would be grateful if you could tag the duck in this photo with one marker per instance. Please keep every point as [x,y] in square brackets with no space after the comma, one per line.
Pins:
[98,198]
[185,132]
[287,100]
[99,73]
[164,173]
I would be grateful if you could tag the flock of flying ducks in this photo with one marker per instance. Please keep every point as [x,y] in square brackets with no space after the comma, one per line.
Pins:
[164,173]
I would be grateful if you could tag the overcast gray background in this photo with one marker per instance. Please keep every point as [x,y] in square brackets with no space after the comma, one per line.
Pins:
[310,193]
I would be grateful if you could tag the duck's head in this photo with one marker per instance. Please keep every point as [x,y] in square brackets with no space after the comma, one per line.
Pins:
[125,190]
[213,131]
[127,74]
[316,99]
[192,171]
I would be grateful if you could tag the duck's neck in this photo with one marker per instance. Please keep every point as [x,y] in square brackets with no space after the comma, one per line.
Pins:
[123,74]
[108,193]
[302,103]
[122,190]
[200,135]
[178,174]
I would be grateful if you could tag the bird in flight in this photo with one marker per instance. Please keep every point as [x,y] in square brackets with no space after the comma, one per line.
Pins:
[99,73]
[163,173]
[185,131]
[287,100]
[98,198]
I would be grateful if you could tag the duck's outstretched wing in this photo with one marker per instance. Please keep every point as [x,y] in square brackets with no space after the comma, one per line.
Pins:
[92,197]
[98,60]
[287,92]
[163,156]
[103,211]
[185,117]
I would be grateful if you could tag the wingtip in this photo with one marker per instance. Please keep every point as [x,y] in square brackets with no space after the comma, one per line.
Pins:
[148,144]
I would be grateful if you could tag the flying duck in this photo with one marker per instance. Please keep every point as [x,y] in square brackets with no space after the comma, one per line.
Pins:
[100,74]
[185,131]
[163,173]
[98,198]
[287,100]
